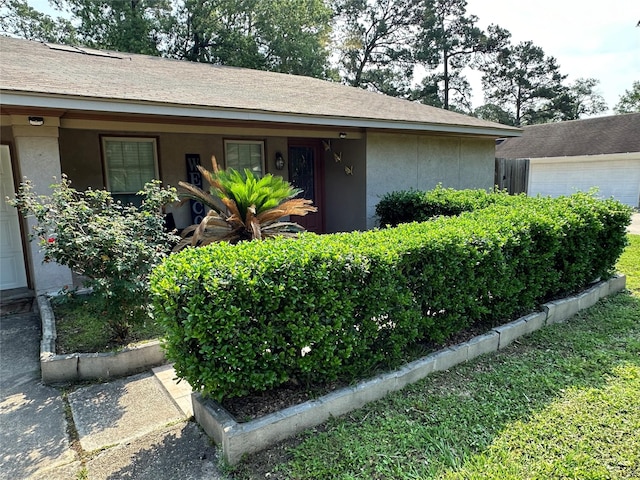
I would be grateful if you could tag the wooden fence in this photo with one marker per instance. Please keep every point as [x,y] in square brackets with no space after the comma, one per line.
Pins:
[512,174]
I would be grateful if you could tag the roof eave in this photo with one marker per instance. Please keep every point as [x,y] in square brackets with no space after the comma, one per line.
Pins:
[35,100]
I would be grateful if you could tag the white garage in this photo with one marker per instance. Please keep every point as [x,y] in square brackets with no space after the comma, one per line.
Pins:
[566,157]
[614,175]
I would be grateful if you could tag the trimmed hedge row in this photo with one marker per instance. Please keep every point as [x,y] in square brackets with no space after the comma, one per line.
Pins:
[405,206]
[244,318]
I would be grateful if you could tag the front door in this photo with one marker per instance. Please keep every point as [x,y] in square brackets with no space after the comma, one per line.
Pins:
[12,269]
[305,173]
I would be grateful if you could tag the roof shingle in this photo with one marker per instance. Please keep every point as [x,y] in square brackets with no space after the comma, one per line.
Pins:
[35,68]
[591,136]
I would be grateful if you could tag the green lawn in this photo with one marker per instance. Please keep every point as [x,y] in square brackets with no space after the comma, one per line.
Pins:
[561,403]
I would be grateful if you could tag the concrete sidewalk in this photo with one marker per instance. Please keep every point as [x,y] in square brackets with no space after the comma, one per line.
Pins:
[127,428]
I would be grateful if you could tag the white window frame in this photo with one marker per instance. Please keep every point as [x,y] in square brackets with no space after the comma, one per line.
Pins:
[106,138]
[262,172]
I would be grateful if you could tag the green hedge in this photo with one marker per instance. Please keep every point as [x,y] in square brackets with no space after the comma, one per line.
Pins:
[405,206]
[244,318]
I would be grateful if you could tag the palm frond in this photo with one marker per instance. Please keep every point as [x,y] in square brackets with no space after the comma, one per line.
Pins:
[195,193]
[296,206]
[290,227]
[253,224]
[234,211]
[217,187]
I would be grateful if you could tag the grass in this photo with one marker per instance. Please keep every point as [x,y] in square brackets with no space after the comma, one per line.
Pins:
[81,327]
[629,264]
[563,402]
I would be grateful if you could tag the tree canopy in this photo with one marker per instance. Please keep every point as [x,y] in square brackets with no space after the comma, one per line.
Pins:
[629,101]
[449,40]
[374,42]
[524,81]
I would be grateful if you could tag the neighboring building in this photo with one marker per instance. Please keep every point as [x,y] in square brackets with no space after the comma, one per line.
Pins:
[114,120]
[565,157]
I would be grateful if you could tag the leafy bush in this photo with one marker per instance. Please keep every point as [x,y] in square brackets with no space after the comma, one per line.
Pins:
[407,206]
[114,245]
[251,208]
[248,317]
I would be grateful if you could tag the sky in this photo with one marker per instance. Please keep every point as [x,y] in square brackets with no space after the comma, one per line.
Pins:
[588,38]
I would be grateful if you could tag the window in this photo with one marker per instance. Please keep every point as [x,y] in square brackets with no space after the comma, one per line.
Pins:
[241,154]
[129,163]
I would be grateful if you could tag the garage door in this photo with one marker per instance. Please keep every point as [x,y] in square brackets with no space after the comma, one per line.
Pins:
[12,269]
[619,179]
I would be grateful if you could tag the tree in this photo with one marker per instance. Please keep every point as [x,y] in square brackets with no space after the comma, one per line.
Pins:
[494,113]
[629,101]
[22,20]
[429,92]
[451,40]
[374,41]
[133,26]
[293,36]
[289,36]
[524,82]
[584,100]
[214,31]
[573,102]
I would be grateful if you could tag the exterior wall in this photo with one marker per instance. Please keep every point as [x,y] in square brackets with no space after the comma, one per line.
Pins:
[404,161]
[615,175]
[39,160]
[345,194]
[80,153]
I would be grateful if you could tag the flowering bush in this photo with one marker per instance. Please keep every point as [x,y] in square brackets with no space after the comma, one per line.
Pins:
[114,246]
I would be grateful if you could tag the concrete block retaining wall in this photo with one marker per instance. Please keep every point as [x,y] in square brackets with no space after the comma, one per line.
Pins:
[237,439]
[90,366]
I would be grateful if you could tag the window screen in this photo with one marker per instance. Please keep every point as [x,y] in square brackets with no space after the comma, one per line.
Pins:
[241,154]
[129,164]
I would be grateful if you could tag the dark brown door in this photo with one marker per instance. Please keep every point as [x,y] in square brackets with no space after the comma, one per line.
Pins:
[305,173]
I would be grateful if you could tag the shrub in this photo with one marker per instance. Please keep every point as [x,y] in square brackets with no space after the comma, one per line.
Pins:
[114,245]
[251,208]
[248,317]
[407,206]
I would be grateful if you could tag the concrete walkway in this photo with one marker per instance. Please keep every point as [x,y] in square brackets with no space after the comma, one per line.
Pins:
[137,427]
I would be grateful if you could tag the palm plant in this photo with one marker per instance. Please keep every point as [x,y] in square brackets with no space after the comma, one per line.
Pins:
[243,207]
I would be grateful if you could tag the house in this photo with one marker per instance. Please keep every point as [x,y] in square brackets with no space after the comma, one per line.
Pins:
[114,120]
[601,152]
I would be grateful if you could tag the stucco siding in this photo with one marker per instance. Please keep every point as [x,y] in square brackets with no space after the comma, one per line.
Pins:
[39,161]
[404,161]
[344,194]
[477,163]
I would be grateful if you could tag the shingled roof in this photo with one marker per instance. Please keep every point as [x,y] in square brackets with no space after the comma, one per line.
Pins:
[38,74]
[592,136]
